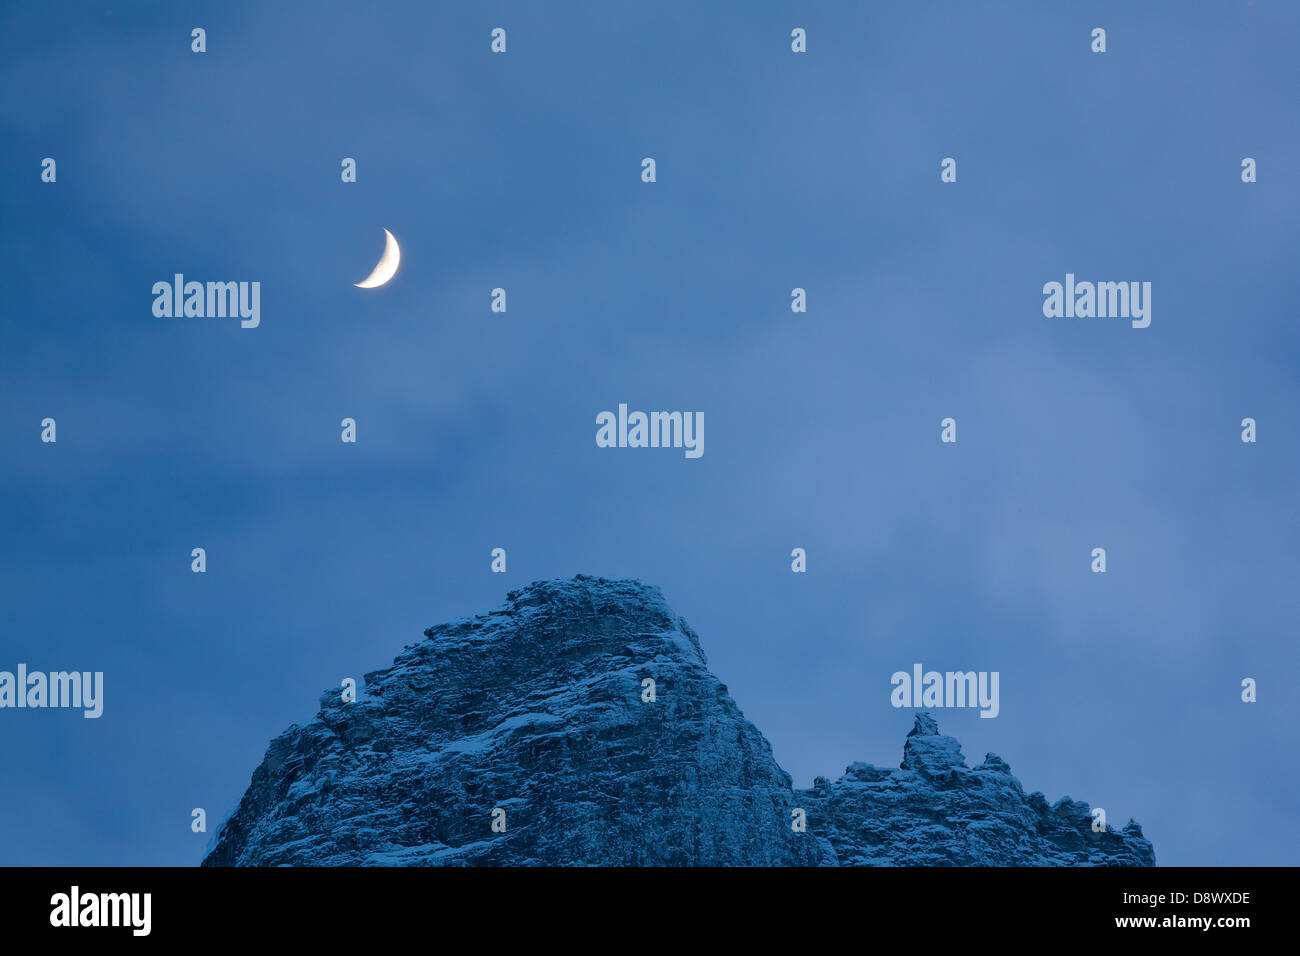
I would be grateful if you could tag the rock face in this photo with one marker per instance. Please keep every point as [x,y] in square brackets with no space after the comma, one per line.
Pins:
[535,708]
[535,714]
[936,811]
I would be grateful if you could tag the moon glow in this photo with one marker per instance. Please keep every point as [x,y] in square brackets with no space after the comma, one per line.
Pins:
[387,266]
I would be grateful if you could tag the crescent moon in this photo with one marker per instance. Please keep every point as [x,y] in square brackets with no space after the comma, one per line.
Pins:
[387,266]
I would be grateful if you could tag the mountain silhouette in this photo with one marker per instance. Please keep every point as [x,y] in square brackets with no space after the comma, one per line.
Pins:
[579,724]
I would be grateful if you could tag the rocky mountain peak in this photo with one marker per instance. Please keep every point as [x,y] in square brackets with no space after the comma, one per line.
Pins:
[578,723]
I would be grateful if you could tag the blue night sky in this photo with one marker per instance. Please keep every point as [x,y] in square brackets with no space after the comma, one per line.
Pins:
[477,430]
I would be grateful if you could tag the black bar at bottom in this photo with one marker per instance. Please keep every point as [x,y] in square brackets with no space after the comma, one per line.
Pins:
[639,908]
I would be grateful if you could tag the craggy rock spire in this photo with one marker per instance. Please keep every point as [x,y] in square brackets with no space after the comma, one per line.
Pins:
[537,710]
[936,811]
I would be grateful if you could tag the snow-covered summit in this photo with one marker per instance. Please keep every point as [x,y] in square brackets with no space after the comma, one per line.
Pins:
[578,723]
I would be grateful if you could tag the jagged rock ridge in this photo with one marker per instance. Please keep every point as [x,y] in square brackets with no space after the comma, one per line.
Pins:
[936,811]
[536,709]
